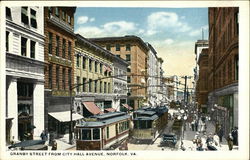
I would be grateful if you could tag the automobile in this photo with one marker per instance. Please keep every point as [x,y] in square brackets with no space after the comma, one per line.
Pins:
[169,140]
[29,145]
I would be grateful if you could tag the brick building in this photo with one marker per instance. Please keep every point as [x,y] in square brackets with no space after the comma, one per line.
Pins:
[223,57]
[202,83]
[135,51]
[59,68]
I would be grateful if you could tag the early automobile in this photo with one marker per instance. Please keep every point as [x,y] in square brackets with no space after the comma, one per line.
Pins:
[169,140]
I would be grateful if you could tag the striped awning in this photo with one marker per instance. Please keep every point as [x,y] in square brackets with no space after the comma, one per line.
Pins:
[92,108]
[127,106]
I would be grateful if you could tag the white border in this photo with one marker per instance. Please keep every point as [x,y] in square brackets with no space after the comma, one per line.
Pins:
[243,151]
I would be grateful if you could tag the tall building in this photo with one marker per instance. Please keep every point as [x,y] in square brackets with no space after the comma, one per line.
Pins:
[153,87]
[223,61]
[24,73]
[202,83]
[162,90]
[59,68]
[199,45]
[94,66]
[135,51]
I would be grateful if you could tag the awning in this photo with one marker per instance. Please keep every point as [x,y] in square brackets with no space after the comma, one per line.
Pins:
[110,109]
[91,107]
[65,116]
[127,106]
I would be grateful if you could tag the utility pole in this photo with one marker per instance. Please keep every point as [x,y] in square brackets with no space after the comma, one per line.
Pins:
[185,90]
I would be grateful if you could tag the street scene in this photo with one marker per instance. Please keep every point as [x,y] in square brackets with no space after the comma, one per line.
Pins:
[122,79]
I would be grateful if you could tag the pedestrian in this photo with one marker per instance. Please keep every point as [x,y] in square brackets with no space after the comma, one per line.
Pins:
[230,141]
[44,136]
[54,145]
[220,133]
[196,125]
[235,136]
[216,140]
[210,143]
[193,125]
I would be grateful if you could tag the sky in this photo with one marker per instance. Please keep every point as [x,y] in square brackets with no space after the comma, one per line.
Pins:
[171,31]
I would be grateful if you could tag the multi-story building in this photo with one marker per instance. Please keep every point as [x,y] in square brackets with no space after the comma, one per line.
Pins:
[162,90]
[202,83]
[133,50]
[223,59]
[24,73]
[59,68]
[94,66]
[199,45]
[153,77]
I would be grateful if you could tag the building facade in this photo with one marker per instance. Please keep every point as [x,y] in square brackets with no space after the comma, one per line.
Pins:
[202,83]
[223,59]
[199,45]
[135,51]
[162,90]
[153,87]
[24,73]
[94,66]
[59,68]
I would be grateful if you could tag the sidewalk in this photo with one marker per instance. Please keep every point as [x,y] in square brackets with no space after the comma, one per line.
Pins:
[189,136]
[62,143]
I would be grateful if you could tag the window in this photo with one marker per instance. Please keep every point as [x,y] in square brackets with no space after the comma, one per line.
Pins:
[100,86]
[33,18]
[105,87]
[108,87]
[24,89]
[84,62]
[128,79]
[77,82]
[101,66]
[83,84]
[86,134]
[57,45]
[8,13]
[117,47]
[64,48]
[63,79]
[32,49]
[49,11]
[108,47]
[63,15]
[90,65]
[69,77]
[69,50]
[77,60]
[7,40]
[128,57]
[128,69]
[96,65]
[24,15]
[107,132]
[23,46]
[96,134]
[236,64]
[50,42]
[96,86]
[57,78]
[90,85]
[57,11]
[69,19]
[118,55]
[128,47]
[50,76]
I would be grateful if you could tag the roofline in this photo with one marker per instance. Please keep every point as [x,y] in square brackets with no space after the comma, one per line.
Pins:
[127,37]
[87,41]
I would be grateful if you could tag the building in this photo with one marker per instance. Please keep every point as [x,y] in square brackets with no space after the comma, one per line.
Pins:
[24,73]
[153,87]
[223,61]
[96,73]
[202,83]
[59,68]
[199,45]
[133,50]
[162,90]
[100,132]
[172,87]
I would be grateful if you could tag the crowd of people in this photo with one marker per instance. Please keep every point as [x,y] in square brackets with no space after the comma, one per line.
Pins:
[50,139]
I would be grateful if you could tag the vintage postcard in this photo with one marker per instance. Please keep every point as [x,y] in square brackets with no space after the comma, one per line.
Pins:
[124,79]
